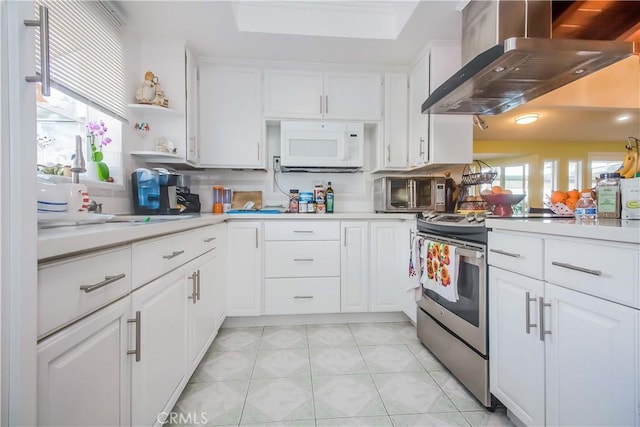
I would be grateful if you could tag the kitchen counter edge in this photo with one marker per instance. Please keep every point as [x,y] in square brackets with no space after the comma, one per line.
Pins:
[58,242]
[615,230]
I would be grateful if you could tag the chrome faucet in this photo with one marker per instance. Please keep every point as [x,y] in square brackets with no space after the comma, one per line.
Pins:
[77,162]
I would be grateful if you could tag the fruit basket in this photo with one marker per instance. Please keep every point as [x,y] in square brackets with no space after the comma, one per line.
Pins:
[501,203]
[476,178]
[557,208]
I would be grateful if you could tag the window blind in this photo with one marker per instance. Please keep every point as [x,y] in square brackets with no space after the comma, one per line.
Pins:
[86,53]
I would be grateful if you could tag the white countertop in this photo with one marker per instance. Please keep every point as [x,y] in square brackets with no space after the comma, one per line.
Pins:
[60,241]
[618,230]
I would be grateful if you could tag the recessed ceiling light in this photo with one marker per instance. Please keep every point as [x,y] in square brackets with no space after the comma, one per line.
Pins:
[526,119]
[623,118]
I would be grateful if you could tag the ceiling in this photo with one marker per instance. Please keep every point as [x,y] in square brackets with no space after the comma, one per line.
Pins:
[211,30]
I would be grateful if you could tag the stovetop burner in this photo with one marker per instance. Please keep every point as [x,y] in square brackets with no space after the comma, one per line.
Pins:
[469,227]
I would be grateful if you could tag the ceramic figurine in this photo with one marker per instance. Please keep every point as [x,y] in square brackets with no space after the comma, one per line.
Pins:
[146,93]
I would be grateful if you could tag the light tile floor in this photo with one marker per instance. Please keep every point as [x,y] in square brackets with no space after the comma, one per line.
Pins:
[376,374]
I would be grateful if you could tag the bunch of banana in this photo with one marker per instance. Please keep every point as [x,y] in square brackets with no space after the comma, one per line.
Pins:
[630,165]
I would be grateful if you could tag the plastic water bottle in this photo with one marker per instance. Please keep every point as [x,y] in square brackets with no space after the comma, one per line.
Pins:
[586,208]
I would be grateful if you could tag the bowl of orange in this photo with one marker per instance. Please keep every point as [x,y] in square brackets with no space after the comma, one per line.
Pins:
[501,203]
[564,202]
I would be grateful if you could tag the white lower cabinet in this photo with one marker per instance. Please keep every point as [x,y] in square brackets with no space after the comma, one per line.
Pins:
[160,339]
[387,257]
[408,296]
[201,305]
[560,356]
[83,372]
[354,267]
[244,268]
[517,354]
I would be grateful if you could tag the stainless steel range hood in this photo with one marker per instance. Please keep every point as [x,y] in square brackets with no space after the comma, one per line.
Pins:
[514,58]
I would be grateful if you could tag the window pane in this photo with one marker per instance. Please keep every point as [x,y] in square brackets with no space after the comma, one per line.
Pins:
[550,177]
[603,166]
[514,179]
[575,175]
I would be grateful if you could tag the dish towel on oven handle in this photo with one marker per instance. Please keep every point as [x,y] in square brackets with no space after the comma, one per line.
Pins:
[441,270]
[415,267]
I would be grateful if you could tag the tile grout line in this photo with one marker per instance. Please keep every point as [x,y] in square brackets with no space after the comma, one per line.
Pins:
[313,394]
[246,396]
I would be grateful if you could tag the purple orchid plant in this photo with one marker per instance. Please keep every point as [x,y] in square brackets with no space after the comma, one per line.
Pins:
[95,130]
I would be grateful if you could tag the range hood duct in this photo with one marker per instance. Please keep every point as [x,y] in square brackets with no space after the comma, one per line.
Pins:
[511,58]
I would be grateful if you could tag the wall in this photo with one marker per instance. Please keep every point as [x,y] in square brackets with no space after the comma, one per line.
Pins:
[535,153]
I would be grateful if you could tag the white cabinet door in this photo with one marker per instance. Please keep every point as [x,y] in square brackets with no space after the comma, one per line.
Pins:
[352,96]
[387,262]
[592,360]
[517,356]
[191,73]
[220,282]
[244,269]
[230,117]
[157,376]
[396,104]
[408,296]
[354,267]
[83,372]
[418,122]
[293,94]
[201,304]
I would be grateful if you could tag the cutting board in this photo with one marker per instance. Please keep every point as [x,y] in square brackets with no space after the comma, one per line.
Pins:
[239,199]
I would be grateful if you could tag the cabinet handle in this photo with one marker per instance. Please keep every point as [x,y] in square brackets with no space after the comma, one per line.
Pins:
[541,306]
[198,285]
[576,268]
[303,259]
[173,255]
[45,75]
[344,242]
[303,297]
[194,292]
[530,325]
[321,107]
[256,237]
[326,104]
[138,322]
[107,280]
[421,147]
[498,251]
[210,239]
[258,151]
[303,231]
[388,153]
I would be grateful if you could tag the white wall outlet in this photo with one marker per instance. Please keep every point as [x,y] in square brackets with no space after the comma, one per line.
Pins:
[276,163]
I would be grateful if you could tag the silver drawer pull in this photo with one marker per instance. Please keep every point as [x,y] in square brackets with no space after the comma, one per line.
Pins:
[138,322]
[498,251]
[576,268]
[107,280]
[194,290]
[210,239]
[303,231]
[303,297]
[303,259]
[173,255]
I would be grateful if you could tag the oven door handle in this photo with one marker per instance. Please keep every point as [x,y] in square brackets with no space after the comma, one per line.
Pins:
[469,252]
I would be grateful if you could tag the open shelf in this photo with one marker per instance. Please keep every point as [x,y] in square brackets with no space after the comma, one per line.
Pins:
[154,109]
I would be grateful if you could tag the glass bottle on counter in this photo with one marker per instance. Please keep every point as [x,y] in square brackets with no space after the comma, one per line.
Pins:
[329,198]
[586,209]
[608,191]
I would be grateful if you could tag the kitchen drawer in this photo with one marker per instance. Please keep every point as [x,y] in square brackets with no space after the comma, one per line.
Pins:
[516,252]
[601,269]
[302,259]
[60,296]
[302,230]
[302,296]
[207,238]
[154,257]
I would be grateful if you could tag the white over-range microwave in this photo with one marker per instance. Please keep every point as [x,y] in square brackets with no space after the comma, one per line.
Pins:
[321,145]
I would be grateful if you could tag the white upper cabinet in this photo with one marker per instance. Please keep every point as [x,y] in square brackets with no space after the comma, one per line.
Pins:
[393,151]
[305,94]
[230,117]
[352,96]
[293,94]
[436,138]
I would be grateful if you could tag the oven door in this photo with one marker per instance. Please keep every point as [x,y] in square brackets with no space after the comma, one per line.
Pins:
[466,318]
